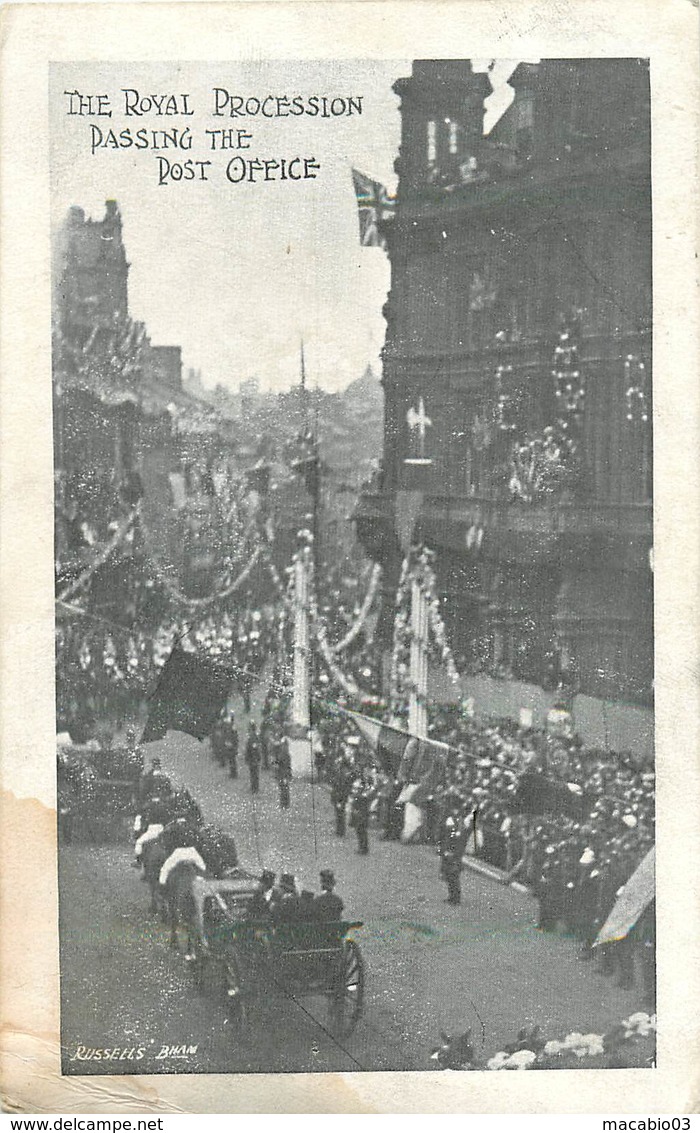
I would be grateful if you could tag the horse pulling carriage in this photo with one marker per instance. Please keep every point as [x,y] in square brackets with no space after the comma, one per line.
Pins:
[251,961]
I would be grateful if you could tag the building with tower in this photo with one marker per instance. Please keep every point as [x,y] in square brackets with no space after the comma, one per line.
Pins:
[516,377]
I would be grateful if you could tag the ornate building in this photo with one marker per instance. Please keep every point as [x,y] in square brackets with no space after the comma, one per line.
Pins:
[516,371]
[125,429]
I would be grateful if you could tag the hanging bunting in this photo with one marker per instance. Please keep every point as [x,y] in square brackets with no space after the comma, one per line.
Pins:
[636,390]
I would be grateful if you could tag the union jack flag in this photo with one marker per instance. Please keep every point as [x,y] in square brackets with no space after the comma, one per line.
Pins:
[374,205]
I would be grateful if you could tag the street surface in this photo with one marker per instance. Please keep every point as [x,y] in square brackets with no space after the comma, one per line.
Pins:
[429,965]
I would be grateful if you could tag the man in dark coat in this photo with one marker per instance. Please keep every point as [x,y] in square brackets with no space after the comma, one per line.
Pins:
[253,755]
[360,816]
[283,770]
[453,841]
[340,793]
[393,814]
[217,741]
[286,907]
[328,906]
[154,782]
[229,744]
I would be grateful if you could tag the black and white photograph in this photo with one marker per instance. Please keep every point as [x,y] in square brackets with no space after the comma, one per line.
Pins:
[354,565]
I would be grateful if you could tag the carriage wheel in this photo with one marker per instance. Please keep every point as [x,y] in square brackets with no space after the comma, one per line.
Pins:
[347,1000]
[229,987]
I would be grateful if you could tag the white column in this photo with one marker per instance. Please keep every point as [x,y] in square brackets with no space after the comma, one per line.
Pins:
[300,747]
[417,705]
[300,700]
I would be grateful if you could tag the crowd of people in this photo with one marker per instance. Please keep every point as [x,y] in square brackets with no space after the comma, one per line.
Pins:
[574,866]
[106,672]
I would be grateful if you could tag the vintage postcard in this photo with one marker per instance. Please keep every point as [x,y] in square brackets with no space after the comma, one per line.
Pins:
[350,666]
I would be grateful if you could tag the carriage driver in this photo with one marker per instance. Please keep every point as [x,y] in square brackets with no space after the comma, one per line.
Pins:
[154,782]
[148,826]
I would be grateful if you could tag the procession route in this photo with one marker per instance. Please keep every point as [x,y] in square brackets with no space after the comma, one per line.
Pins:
[430,966]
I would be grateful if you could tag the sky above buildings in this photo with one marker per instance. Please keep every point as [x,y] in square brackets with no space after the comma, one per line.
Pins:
[235,272]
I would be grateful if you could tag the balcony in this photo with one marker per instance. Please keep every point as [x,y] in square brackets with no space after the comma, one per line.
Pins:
[532,533]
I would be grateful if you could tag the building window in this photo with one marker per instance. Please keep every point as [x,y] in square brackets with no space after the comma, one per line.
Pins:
[432,143]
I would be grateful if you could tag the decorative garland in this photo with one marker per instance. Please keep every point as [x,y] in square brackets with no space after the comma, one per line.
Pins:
[103,366]
[401,638]
[275,576]
[636,390]
[436,623]
[219,596]
[507,403]
[568,383]
[200,603]
[417,566]
[539,464]
[357,626]
[348,684]
[120,534]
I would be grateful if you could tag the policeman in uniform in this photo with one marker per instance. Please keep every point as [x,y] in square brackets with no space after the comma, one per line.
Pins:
[217,741]
[453,841]
[283,770]
[340,793]
[253,755]
[229,744]
[360,815]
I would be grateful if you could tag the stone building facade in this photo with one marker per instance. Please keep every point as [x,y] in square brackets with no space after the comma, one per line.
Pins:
[517,371]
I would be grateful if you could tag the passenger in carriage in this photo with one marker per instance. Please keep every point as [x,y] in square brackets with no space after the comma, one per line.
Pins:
[264,898]
[328,906]
[286,907]
[307,905]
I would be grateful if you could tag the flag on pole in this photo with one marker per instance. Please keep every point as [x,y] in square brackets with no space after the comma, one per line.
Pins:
[387,744]
[189,697]
[402,755]
[412,813]
[636,895]
[423,762]
[475,837]
[374,205]
[538,794]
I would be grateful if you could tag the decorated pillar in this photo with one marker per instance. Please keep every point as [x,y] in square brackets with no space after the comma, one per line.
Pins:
[418,692]
[300,745]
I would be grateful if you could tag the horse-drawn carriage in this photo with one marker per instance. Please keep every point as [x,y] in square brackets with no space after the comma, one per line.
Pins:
[97,790]
[251,961]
